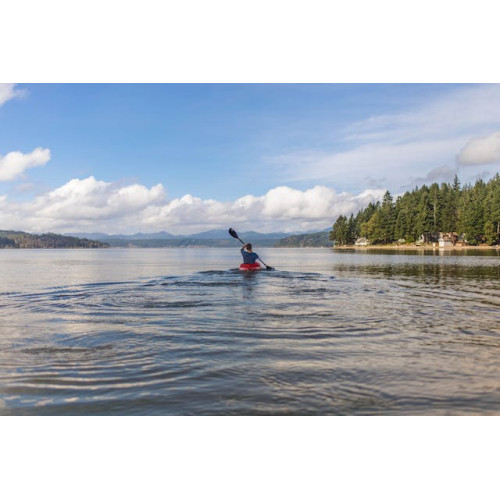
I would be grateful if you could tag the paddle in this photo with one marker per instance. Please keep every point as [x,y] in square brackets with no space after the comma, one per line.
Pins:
[234,234]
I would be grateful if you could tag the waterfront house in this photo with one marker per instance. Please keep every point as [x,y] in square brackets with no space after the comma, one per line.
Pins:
[361,242]
[428,238]
[447,240]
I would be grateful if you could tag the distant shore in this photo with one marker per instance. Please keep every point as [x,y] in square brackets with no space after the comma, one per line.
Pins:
[416,247]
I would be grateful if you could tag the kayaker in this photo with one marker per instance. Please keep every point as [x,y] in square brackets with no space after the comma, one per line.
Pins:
[249,257]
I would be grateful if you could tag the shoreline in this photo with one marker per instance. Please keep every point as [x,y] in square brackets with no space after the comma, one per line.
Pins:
[417,247]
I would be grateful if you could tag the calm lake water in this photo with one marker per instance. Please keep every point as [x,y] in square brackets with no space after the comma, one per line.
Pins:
[183,332]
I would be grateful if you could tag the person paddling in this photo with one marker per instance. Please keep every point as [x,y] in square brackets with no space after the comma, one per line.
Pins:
[249,256]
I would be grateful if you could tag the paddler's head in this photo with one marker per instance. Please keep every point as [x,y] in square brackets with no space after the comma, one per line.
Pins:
[248,247]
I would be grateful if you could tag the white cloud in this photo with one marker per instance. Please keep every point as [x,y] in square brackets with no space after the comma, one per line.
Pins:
[90,200]
[93,205]
[481,151]
[394,150]
[8,91]
[14,164]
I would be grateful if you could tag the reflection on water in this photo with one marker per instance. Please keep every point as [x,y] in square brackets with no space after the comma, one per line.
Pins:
[180,332]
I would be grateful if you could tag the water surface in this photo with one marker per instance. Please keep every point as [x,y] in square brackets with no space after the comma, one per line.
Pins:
[183,332]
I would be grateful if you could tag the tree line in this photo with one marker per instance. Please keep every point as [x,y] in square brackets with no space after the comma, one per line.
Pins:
[19,239]
[472,211]
[320,239]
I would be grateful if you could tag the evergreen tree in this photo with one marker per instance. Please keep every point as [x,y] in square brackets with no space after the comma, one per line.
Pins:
[340,231]
[454,201]
[494,201]
[471,213]
[402,227]
[424,216]
[352,234]
[436,202]
[490,233]
[447,217]
[385,231]
[372,230]
[470,210]
[491,211]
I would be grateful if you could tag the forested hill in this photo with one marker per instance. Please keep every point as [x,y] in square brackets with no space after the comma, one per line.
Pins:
[306,240]
[18,239]
[472,212]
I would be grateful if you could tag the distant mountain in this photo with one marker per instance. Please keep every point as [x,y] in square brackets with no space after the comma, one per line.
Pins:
[137,236]
[249,235]
[20,239]
[162,235]
[211,238]
[185,242]
[213,234]
[253,236]
[321,239]
[218,238]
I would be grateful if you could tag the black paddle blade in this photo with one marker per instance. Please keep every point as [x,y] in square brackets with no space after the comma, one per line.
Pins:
[233,233]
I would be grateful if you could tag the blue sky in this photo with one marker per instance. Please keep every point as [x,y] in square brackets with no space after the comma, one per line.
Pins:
[208,140]
[188,157]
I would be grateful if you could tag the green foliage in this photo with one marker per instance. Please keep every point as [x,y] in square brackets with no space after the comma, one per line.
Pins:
[471,211]
[305,240]
[490,233]
[7,242]
[387,219]
[340,232]
[18,239]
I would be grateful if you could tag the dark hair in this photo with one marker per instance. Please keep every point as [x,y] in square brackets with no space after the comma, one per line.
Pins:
[248,246]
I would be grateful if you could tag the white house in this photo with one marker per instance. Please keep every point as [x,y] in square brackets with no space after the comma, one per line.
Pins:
[361,242]
[447,240]
[444,242]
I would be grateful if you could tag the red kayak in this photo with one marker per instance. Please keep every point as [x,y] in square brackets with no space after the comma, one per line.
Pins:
[250,267]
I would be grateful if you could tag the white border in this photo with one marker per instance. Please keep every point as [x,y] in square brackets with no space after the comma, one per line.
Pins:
[261,41]
[250,457]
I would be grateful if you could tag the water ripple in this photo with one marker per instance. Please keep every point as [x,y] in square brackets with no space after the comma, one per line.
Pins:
[368,340]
